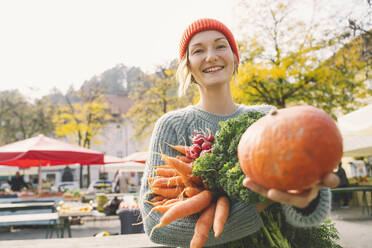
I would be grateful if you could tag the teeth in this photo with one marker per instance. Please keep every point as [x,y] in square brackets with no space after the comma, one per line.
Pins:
[213,69]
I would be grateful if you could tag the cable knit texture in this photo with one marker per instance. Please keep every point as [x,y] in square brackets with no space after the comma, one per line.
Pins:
[176,127]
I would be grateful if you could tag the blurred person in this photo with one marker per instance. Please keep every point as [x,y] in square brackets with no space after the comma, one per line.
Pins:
[116,182]
[67,175]
[344,182]
[17,183]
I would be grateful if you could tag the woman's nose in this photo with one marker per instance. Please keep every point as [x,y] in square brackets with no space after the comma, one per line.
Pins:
[211,55]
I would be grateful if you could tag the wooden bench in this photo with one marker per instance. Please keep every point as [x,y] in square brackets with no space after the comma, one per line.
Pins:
[30,213]
[364,190]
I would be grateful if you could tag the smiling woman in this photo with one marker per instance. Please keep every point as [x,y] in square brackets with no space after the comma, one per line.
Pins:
[209,58]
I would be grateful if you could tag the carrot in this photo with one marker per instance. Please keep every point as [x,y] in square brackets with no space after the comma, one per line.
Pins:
[150,180]
[161,209]
[166,172]
[185,208]
[191,191]
[157,198]
[196,180]
[170,201]
[158,203]
[167,182]
[168,192]
[186,181]
[161,166]
[203,226]
[185,159]
[180,148]
[220,217]
[180,166]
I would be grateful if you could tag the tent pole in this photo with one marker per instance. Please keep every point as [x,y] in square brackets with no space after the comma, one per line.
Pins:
[40,180]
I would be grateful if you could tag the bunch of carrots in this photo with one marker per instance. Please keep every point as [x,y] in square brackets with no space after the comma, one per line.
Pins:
[179,193]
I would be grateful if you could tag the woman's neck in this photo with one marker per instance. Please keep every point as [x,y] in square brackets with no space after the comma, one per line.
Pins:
[217,100]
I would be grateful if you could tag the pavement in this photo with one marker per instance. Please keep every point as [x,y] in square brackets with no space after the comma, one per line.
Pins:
[353,226]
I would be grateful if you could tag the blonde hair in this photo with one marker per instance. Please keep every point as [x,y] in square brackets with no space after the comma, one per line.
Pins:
[185,78]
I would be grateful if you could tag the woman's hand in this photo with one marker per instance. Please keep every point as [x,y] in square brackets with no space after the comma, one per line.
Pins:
[296,199]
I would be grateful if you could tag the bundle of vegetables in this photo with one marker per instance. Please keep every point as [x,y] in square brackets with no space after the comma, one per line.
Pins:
[178,193]
[221,172]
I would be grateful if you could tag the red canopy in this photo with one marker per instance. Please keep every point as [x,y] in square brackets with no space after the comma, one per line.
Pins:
[42,151]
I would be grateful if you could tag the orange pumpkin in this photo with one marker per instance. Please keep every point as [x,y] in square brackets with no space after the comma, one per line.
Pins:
[290,148]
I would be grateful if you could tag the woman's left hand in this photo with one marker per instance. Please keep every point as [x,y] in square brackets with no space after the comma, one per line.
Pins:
[296,199]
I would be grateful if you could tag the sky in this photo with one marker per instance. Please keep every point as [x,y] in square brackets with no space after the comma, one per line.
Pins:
[50,43]
[59,43]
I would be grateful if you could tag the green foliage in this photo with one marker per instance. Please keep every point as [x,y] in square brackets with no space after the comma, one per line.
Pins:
[323,236]
[220,169]
[287,62]
[154,95]
[21,118]
[276,233]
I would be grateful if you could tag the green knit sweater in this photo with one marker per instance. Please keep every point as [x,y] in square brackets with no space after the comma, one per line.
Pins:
[176,127]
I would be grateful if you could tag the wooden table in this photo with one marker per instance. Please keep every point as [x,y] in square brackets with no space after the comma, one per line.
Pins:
[30,213]
[26,205]
[364,190]
[117,241]
[66,218]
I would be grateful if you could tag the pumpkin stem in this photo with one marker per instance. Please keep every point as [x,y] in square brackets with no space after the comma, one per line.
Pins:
[273,112]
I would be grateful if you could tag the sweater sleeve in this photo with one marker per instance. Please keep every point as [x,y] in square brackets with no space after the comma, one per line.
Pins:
[320,213]
[243,218]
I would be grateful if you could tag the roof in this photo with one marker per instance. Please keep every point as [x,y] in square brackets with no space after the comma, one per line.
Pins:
[119,104]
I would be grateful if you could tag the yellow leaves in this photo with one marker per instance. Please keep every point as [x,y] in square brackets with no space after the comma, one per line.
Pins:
[82,120]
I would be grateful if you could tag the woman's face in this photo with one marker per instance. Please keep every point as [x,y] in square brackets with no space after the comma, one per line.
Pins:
[211,59]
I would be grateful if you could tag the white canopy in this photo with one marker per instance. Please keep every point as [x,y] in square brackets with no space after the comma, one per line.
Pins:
[358,146]
[134,162]
[356,129]
[358,122]
[125,167]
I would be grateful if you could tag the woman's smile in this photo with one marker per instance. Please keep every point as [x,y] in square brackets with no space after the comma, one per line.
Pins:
[213,69]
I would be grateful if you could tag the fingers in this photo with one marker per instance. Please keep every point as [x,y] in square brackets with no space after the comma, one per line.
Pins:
[297,199]
[300,200]
[248,183]
[331,180]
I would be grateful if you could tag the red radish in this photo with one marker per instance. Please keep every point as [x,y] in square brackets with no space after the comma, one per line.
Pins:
[206,145]
[194,155]
[210,137]
[198,139]
[195,148]
[205,152]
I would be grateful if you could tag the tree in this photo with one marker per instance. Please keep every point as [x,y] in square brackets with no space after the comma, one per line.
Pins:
[22,119]
[115,81]
[83,120]
[287,64]
[155,95]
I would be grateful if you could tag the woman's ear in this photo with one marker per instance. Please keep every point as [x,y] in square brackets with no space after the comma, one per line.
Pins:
[236,65]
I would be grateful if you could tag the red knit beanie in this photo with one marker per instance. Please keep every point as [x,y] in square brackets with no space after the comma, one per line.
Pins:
[203,25]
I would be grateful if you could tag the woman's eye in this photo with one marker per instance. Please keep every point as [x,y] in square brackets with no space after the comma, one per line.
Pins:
[221,46]
[196,51]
